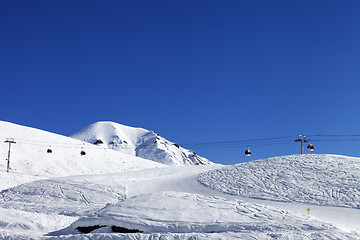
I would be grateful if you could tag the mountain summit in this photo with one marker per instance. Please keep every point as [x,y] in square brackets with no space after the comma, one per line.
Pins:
[138,142]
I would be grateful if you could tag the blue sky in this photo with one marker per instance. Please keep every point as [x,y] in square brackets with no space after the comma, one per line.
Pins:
[192,71]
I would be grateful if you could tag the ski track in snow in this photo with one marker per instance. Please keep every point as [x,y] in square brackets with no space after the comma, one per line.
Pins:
[184,180]
[318,179]
[59,196]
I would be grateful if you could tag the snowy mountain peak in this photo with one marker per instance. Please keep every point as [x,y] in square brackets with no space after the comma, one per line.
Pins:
[138,142]
[115,135]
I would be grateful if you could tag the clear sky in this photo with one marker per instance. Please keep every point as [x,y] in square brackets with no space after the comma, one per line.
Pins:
[192,71]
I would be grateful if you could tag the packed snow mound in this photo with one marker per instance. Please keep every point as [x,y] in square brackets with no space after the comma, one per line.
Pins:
[312,178]
[30,156]
[138,142]
[178,212]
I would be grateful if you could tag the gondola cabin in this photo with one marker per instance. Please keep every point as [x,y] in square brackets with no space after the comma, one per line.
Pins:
[310,147]
[248,152]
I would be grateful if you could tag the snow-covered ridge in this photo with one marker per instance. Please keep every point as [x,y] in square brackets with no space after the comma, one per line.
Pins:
[319,179]
[138,142]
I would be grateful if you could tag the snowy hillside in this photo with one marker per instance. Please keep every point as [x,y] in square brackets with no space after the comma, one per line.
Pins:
[138,142]
[107,194]
[319,179]
[30,159]
[163,203]
[166,203]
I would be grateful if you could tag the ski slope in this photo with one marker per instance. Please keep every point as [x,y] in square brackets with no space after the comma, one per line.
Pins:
[164,203]
[57,196]
[318,179]
[179,212]
[174,201]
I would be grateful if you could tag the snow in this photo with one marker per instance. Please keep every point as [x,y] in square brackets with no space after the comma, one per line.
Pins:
[49,196]
[139,142]
[318,179]
[327,184]
[17,224]
[59,196]
[155,213]
[174,201]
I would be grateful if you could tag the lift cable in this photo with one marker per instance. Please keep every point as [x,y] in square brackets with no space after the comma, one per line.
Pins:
[220,144]
[237,141]
[230,144]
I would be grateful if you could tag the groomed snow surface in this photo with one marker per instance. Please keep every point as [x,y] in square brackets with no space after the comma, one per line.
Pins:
[109,194]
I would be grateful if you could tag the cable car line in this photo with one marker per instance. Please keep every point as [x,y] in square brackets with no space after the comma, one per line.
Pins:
[236,141]
[263,142]
[201,144]
[336,140]
[210,144]
[244,145]
[259,142]
[334,135]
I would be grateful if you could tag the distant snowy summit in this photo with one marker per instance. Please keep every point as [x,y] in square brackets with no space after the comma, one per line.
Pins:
[138,142]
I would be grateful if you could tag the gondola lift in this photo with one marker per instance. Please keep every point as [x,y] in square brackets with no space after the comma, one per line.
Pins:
[82,153]
[310,147]
[49,150]
[248,152]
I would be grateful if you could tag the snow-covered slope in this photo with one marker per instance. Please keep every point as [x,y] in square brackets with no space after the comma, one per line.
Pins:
[58,195]
[30,159]
[177,212]
[61,196]
[168,203]
[173,205]
[138,142]
[319,179]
